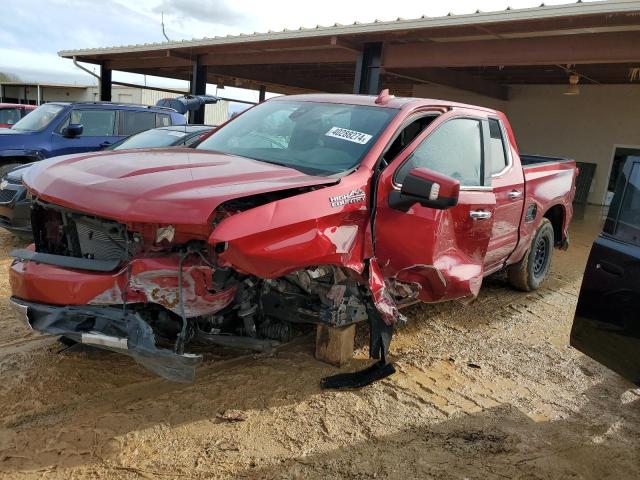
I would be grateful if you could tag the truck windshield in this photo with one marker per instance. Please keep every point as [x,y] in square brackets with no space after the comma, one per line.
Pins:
[9,116]
[39,118]
[316,138]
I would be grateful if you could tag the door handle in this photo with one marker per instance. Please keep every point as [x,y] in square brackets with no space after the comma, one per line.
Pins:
[610,268]
[479,215]
[514,194]
[105,144]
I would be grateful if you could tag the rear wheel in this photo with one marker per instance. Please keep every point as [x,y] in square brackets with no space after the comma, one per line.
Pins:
[529,273]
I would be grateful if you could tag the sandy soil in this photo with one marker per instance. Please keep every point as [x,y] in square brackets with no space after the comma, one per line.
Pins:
[486,390]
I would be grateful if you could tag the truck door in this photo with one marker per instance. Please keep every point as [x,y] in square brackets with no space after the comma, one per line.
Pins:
[440,250]
[508,186]
[607,321]
[98,131]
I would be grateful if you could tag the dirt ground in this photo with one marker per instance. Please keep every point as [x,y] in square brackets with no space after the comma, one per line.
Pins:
[485,390]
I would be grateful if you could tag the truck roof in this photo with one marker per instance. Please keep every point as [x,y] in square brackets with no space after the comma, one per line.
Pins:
[370,100]
[25,106]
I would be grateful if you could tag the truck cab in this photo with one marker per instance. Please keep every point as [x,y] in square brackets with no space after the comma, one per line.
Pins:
[61,128]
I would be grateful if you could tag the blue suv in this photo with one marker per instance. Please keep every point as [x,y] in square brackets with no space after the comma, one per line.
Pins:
[61,128]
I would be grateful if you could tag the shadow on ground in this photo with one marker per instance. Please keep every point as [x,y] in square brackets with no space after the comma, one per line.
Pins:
[500,442]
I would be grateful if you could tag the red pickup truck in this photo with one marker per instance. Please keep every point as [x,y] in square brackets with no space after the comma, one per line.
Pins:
[10,113]
[325,209]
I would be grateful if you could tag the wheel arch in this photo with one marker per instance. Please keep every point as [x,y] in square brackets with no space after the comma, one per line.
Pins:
[556,215]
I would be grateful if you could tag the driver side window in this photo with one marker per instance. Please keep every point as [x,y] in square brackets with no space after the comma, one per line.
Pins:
[453,149]
[95,123]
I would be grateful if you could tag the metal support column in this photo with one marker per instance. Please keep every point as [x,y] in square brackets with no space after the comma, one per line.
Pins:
[263,93]
[367,78]
[198,87]
[105,84]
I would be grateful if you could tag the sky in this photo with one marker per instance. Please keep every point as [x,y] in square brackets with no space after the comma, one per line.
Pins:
[33,31]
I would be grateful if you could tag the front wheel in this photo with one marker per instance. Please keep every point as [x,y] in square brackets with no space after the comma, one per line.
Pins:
[529,273]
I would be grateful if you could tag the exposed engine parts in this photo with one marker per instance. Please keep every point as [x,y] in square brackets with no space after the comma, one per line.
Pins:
[320,295]
[263,313]
[247,307]
[60,231]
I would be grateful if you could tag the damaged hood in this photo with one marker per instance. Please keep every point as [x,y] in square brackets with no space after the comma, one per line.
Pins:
[174,185]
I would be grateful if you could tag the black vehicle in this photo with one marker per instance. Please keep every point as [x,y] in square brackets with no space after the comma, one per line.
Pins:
[15,205]
[175,136]
[607,322]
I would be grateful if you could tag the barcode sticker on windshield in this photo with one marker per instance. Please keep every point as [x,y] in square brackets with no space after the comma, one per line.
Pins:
[348,135]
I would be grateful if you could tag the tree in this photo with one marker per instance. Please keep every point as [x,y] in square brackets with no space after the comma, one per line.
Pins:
[8,77]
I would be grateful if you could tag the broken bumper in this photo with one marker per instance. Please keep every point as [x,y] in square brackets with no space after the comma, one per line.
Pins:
[52,280]
[108,328]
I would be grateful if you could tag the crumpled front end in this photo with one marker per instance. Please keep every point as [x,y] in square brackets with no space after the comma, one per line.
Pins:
[138,310]
[324,227]
[142,281]
[120,287]
[266,264]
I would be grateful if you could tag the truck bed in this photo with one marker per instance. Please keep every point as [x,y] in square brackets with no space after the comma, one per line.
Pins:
[549,182]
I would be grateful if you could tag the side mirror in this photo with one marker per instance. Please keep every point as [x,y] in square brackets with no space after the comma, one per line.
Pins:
[428,188]
[73,130]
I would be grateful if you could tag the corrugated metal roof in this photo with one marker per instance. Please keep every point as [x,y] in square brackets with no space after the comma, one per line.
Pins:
[478,18]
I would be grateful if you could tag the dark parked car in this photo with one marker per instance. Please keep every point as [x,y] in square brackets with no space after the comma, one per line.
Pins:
[174,136]
[607,322]
[15,206]
[11,113]
[61,128]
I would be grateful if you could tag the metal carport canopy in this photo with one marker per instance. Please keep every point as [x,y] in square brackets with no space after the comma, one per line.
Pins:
[482,52]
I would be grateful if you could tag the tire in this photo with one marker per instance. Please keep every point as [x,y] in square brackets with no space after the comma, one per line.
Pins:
[4,169]
[529,273]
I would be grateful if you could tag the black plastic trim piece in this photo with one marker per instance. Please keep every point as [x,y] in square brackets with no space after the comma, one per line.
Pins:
[66,262]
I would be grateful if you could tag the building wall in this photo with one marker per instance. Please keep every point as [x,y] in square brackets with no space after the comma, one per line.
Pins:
[584,127]
[48,94]
[215,114]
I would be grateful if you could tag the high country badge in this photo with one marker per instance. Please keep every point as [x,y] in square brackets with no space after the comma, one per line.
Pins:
[354,196]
